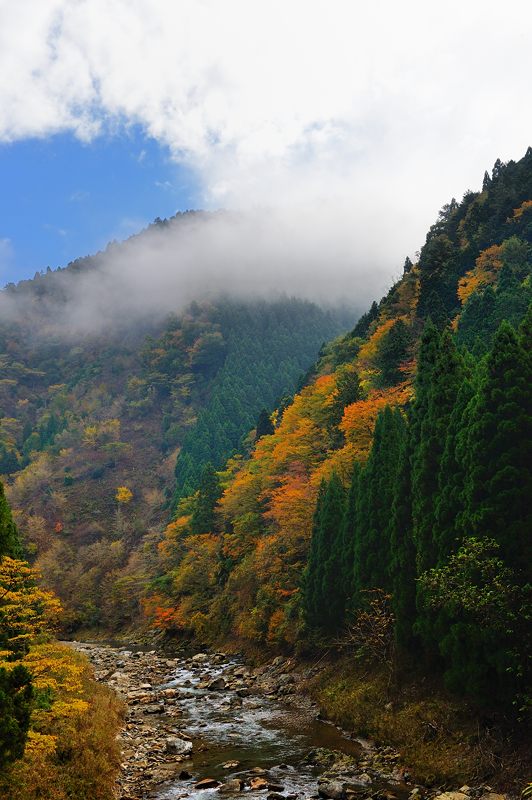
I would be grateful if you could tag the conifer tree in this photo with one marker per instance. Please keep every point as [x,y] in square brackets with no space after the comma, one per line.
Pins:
[264,425]
[350,532]
[332,599]
[402,549]
[392,352]
[423,470]
[204,517]
[323,596]
[372,552]
[312,574]
[9,539]
[15,709]
[499,486]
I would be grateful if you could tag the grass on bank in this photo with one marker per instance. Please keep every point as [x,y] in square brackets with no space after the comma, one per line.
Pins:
[72,750]
[441,739]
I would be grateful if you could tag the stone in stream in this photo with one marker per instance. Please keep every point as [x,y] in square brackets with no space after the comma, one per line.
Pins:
[234,785]
[334,790]
[275,796]
[231,765]
[207,783]
[184,775]
[453,796]
[216,685]
[276,787]
[154,709]
[258,784]
[199,657]
[177,746]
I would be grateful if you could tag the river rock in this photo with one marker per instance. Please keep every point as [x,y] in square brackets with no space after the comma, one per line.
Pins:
[177,746]
[207,783]
[199,658]
[216,685]
[453,796]
[155,708]
[333,790]
[234,785]
[258,784]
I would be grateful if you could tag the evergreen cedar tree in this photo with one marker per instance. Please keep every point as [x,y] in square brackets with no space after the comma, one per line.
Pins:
[457,465]
[15,682]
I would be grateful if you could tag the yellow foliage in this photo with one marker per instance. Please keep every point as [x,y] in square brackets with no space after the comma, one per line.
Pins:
[123,495]
[26,610]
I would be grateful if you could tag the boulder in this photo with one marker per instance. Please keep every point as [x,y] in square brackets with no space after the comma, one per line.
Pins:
[234,785]
[177,746]
[333,790]
[216,685]
[207,783]
[258,784]
[199,658]
[453,796]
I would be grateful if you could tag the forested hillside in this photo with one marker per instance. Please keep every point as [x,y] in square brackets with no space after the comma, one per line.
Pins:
[92,426]
[165,475]
[387,505]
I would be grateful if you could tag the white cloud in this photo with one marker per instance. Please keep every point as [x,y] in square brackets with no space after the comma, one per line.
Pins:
[382,111]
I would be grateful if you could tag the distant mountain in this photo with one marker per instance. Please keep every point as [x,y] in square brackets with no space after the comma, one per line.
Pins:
[82,414]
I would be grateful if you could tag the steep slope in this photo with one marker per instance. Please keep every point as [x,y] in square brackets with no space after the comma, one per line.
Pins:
[393,488]
[91,425]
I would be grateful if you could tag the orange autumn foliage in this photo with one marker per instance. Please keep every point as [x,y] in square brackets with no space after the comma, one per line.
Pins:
[524,208]
[484,273]
[359,418]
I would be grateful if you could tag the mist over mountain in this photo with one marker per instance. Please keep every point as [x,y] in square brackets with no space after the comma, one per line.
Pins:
[314,254]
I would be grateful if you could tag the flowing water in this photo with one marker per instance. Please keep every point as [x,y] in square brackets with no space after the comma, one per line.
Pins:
[254,731]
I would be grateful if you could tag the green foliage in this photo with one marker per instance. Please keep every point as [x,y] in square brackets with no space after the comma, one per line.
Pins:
[392,352]
[203,519]
[268,346]
[15,711]
[9,540]
[324,599]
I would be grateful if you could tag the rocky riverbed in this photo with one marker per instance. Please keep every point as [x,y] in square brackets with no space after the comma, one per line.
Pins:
[207,727]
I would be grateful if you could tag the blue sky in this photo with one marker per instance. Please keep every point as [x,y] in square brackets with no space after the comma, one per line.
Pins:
[61,198]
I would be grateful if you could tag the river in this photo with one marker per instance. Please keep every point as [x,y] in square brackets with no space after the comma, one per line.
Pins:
[247,732]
